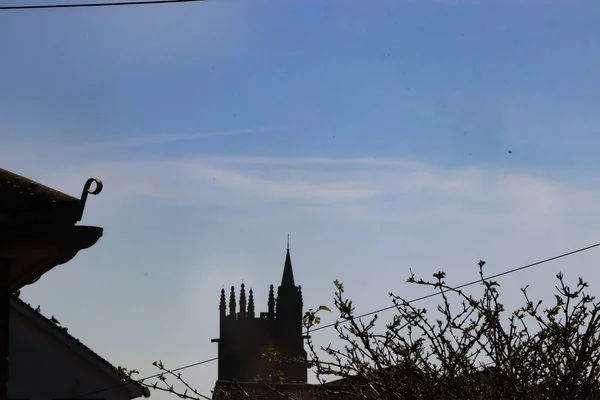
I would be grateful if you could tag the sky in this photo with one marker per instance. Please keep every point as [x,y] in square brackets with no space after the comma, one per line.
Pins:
[383,137]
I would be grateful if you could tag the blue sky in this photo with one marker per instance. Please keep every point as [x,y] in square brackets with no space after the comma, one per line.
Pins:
[377,135]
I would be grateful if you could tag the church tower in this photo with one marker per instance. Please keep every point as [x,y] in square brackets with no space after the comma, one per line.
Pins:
[244,337]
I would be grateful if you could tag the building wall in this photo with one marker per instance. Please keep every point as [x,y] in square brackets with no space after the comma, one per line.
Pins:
[241,345]
[244,338]
[47,364]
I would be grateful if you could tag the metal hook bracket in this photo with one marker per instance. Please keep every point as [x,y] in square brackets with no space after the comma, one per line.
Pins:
[87,189]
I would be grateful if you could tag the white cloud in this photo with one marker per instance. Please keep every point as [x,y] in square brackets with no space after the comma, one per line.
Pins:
[354,181]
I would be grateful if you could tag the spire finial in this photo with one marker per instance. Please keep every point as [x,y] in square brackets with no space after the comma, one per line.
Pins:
[251,304]
[288,243]
[243,301]
[232,302]
[288,273]
[271,302]
[222,306]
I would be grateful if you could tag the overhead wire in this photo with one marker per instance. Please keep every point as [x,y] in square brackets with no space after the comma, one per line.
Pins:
[563,255]
[102,4]
[464,285]
[125,383]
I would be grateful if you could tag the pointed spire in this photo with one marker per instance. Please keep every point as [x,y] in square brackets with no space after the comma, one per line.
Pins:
[288,273]
[232,301]
[243,301]
[222,305]
[251,304]
[271,301]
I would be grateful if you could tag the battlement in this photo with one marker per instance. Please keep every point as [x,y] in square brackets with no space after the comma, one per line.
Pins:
[244,336]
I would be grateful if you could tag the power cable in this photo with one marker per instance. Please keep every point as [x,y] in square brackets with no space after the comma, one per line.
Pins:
[563,255]
[106,4]
[143,379]
[469,284]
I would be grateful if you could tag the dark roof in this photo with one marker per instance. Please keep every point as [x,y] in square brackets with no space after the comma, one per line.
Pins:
[288,273]
[38,226]
[24,201]
[227,390]
[92,353]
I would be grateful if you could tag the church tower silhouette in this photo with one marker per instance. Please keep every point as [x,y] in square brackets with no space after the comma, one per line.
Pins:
[244,337]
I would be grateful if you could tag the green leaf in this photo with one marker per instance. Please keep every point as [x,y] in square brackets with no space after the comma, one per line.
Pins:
[325,308]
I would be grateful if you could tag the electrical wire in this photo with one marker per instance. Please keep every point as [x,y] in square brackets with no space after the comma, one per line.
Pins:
[125,383]
[464,285]
[563,255]
[106,4]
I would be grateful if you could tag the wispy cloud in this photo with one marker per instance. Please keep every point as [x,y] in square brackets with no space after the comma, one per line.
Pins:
[165,138]
[308,161]
[326,181]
